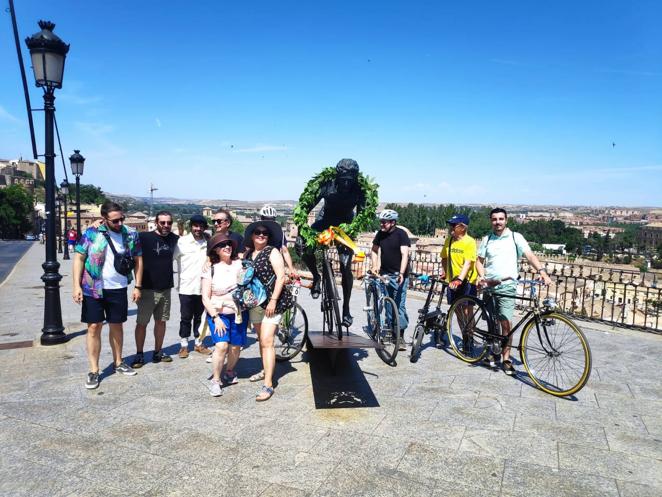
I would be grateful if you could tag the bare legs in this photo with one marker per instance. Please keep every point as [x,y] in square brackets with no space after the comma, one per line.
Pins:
[265,335]
[93,343]
[159,336]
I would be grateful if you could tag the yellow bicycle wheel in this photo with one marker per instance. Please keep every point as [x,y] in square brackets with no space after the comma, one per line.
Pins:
[555,354]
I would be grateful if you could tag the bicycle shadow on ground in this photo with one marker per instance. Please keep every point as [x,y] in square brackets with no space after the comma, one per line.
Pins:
[338,381]
[523,377]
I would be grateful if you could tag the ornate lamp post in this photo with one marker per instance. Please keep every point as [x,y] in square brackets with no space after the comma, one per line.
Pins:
[64,188]
[48,53]
[77,162]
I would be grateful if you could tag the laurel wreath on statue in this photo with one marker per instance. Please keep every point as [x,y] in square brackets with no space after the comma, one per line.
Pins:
[308,199]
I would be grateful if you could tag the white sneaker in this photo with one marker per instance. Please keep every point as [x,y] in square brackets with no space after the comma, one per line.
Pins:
[215,388]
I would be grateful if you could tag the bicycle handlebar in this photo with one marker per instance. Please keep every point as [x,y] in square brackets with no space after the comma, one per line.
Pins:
[496,282]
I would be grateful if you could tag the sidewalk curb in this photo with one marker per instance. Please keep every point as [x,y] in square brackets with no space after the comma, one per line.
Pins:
[14,268]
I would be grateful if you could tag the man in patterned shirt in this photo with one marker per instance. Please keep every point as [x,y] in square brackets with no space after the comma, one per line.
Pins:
[102,289]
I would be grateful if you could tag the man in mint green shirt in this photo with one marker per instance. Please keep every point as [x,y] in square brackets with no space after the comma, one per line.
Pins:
[498,270]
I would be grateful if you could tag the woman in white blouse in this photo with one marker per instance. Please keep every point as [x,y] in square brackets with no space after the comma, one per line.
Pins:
[228,335]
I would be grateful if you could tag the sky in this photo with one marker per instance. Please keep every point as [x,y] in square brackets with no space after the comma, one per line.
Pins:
[508,102]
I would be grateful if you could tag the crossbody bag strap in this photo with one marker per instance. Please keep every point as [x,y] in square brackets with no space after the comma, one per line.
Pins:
[110,242]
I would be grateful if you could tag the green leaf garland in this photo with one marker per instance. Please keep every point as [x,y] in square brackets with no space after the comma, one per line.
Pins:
[308,200]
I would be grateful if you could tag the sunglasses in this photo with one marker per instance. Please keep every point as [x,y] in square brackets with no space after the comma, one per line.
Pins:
[115,221]
[165,223]
[219,221]
[261,233]
[223,245]
[386,222]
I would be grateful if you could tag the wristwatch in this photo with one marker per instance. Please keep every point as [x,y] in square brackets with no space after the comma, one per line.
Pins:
[139,287]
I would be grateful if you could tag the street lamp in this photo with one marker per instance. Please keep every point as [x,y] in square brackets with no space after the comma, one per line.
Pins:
[64,188]
[77,162]
[48,53]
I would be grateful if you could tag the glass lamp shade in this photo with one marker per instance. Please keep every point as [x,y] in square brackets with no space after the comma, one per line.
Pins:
[77,162]
[48,53]
[64,188]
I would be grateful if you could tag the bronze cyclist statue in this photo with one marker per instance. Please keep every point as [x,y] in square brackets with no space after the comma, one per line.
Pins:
[350,202]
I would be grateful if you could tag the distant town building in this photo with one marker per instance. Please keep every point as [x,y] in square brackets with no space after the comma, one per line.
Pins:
[650,235]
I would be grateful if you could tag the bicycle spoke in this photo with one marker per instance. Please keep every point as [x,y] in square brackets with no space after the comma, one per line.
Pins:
[556,355]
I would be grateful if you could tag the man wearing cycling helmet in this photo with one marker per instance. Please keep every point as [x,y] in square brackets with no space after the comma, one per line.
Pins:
[268,213]
[341,196]
[393,263]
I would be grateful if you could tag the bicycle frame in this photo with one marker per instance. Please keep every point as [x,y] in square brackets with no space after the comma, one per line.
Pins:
[424,313]
[330,301]
[375,286]
[536,312]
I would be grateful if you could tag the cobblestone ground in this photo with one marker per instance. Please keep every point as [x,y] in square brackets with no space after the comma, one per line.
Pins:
[438,427]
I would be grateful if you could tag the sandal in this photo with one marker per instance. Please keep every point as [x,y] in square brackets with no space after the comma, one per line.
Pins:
[257,377]
[265,393]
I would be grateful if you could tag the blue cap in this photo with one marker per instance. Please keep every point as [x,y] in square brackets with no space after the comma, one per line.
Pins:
[459,219]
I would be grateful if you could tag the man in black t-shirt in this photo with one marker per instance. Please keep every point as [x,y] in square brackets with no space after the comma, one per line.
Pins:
[158,250]
[390,256]
[222,221]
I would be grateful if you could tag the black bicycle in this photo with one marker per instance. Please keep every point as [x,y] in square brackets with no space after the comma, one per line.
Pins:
[383,321]
[331,322]
[553,350]
[429,321]
[293,329]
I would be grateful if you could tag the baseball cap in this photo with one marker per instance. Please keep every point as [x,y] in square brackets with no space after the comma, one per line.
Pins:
[459,219]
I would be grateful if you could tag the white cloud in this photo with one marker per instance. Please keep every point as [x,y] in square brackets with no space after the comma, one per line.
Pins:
[158,123]
[6,116]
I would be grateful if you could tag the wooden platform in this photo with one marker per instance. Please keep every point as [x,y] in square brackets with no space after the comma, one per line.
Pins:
[351,341]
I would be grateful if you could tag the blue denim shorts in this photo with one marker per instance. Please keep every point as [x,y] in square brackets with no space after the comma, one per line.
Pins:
[235,334]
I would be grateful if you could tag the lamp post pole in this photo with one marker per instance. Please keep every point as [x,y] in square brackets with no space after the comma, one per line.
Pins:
[48,53]
[64,186]
[78,233]
[77,162]
[58,204]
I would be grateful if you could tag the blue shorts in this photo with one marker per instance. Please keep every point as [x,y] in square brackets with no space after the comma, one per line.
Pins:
[113,307]
[466,289]
[235,334]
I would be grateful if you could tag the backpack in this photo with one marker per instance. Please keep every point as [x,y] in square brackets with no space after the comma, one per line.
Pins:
[250,291]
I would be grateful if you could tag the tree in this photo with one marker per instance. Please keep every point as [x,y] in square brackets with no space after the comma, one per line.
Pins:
[89,194]
[15,211]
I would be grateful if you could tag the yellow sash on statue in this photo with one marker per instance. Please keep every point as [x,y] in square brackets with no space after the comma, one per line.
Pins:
[334,233]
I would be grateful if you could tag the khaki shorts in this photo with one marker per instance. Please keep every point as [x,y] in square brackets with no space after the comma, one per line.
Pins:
[257,316]
[153,303]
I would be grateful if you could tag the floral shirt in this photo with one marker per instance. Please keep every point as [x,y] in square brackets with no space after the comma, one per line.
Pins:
[93,246]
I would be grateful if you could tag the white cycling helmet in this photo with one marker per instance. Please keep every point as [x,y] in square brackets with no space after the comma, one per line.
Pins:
[388,215]
[268,212]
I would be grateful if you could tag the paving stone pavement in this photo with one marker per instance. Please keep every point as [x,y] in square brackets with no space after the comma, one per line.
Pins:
[435,428]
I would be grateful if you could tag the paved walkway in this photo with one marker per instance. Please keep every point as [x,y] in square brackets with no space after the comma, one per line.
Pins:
[435,428]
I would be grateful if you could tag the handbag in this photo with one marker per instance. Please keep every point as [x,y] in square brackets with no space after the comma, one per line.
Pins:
[123,263]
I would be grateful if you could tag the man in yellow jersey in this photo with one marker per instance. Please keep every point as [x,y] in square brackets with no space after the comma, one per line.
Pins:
[458,260]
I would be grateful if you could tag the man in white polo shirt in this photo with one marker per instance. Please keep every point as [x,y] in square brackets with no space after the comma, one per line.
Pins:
[190,255]
[498,260]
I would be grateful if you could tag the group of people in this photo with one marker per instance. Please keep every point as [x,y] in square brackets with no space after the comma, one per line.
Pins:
[108,256]
[493,268]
